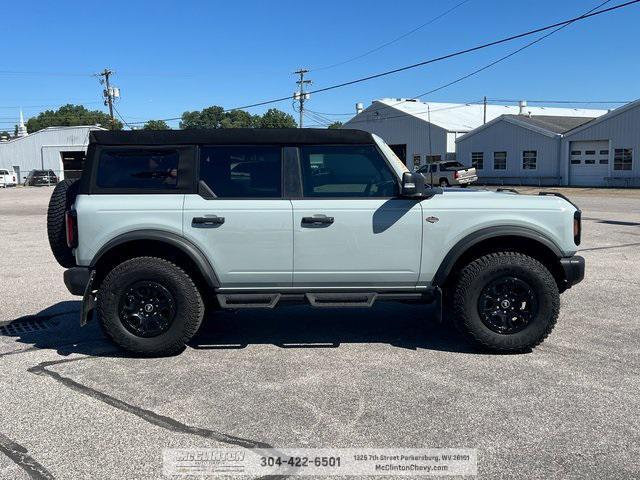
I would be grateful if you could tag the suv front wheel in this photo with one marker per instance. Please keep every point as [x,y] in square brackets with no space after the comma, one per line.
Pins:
[505,302]
[149,306]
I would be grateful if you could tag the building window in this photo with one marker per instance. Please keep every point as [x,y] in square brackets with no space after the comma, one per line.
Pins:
[623,159]
[499,160]
[604,152]
[530,160]
[432,158]
[590,152]
[590,162]
[576,152]
[604,161]
[417,159]
[576,162]
[477,160]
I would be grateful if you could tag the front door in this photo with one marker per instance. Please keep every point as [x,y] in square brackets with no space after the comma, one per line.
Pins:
[240,220]
[350,228]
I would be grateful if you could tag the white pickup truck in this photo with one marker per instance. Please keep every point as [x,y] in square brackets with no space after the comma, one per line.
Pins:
[7,178]
[164,224]
[448,173]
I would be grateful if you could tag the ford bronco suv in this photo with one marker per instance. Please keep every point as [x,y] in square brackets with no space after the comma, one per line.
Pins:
[164,225]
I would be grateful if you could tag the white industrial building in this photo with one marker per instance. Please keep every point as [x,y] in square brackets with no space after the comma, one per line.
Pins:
[61,149]
[420,132]
[556,150]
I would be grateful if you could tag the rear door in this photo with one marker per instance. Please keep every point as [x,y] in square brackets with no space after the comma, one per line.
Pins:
[350,228]
[240,219]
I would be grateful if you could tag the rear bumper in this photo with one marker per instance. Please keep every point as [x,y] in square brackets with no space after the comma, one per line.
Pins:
[573,269]
[76,280]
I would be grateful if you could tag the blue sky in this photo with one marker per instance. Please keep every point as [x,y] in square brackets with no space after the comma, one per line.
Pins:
[172,56]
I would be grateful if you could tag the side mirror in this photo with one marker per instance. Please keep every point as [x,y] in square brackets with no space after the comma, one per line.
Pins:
[414,186]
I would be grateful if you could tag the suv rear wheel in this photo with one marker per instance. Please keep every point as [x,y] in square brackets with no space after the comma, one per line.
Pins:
[505,302]
[149,306]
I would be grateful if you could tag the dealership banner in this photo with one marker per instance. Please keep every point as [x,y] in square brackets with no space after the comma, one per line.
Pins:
[319,461]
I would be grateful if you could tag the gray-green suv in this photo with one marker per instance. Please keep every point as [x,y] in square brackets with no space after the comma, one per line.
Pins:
[164,225]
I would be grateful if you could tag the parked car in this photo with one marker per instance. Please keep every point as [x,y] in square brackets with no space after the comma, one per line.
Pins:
[162,225]
[448,173]
[41,177]
[7,178]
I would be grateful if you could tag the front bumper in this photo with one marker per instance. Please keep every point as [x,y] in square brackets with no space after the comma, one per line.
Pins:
[573,269]
[76,280]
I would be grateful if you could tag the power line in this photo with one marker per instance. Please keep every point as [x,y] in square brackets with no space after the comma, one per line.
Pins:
[504,57]
[473,49]
[516,51]
[121,118]
[386,44]
[440,58]
[594,102]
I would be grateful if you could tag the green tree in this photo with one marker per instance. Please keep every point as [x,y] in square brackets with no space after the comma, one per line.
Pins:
[71,115]
[209,117]
[216,117]
[335,125]
[156,125]
[239,119]
[274,118]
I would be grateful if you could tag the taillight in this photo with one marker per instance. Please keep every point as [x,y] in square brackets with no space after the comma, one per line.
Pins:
[71,222]
[456,174]
[14,178]
[577,226]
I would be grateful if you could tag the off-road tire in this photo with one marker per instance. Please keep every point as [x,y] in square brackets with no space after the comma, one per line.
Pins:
[62,198]
[443,182]
[479,273]
[189,305]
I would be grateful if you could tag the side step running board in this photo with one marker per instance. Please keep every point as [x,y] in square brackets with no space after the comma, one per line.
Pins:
[332,300]
[245,300]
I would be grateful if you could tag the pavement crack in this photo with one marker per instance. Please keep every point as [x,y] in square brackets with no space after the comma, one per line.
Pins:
[149,416]
[20,456]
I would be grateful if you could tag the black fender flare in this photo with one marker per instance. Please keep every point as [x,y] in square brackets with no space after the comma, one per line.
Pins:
[186,246]
[484,234]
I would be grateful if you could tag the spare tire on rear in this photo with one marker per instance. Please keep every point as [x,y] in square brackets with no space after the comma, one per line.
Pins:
[61,200]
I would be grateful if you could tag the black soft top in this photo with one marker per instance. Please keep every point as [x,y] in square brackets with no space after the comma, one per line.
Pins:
[232,136]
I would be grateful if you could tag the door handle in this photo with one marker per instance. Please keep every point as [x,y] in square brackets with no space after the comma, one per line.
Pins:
[317,220]
[207,222]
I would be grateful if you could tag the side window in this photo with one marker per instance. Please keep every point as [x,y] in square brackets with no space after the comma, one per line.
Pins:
[242,172]
[477,160]
[138,168]
[499,160]
[346,171]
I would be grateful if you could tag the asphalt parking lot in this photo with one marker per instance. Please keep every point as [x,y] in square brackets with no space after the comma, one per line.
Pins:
[75,407]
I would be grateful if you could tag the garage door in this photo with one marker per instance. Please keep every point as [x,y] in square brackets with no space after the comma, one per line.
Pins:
[589,163]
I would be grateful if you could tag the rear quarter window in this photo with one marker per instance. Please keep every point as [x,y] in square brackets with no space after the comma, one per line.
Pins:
[148,169]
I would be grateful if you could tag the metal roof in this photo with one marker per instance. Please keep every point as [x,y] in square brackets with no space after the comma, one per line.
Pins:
[464,117]
[230,136]
[552,123]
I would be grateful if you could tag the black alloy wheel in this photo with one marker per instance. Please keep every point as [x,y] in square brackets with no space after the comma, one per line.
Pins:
[147,309]
[507,305]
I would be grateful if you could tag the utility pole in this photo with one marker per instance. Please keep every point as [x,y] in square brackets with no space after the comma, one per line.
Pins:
[300,95]
[484,120]
[109,92]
